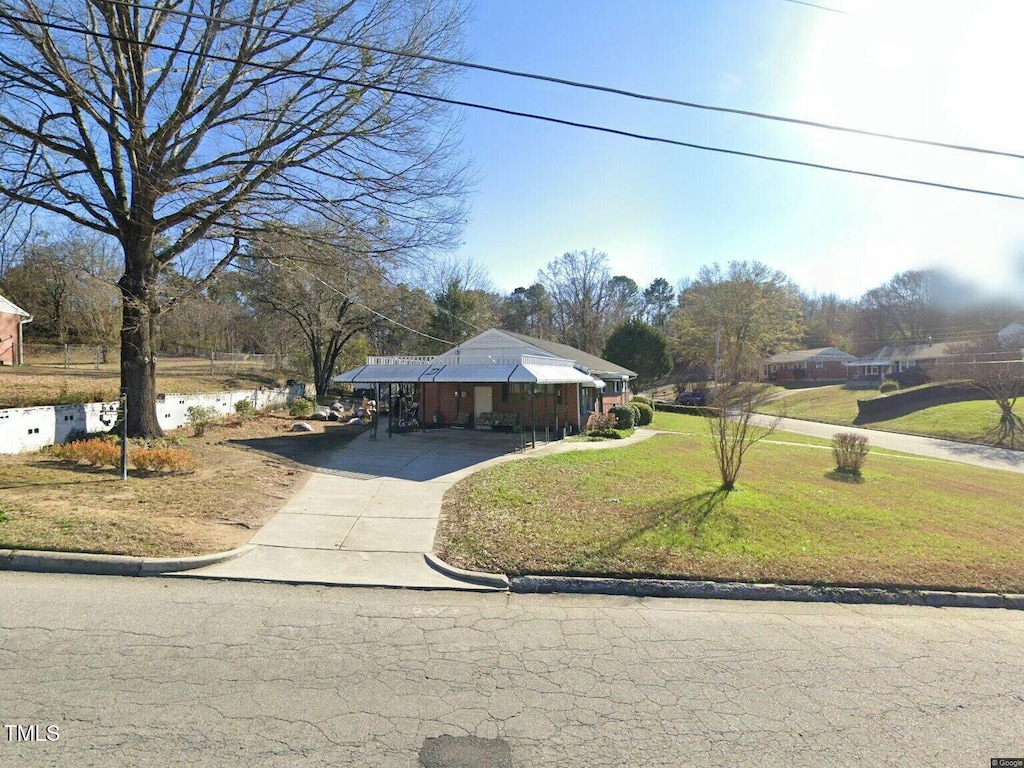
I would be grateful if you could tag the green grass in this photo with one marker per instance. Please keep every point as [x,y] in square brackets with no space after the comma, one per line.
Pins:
[653,509]
[971,421]
[831,404]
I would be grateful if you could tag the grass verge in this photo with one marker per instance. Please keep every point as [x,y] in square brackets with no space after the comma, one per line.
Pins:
[652,509]
[52,506]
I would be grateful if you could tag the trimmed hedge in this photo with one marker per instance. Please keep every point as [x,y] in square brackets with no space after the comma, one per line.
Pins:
[646,413]
[624,416]
[689,410]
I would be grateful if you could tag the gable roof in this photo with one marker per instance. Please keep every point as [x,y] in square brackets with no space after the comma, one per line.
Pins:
[912,351]
[809,355]
[8,307]
[592,363]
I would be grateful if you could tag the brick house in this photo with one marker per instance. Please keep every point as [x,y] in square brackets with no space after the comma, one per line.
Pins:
[825,364]
[498,378]
[895,359]
[12,334]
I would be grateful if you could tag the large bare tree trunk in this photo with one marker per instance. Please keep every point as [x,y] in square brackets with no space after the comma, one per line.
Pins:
[140,306]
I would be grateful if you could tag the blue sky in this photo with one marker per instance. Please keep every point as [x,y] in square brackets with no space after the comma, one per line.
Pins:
[931,69]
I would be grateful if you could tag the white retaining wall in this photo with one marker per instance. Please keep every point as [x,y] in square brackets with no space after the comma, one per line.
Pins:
[29,429]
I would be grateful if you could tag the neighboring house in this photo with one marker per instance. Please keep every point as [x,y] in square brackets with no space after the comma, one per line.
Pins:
[500,377]
[895,359]
[12,333]
[1011,335]
[822,364]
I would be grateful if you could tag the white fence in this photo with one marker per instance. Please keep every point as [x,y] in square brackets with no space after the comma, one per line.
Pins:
[29,429]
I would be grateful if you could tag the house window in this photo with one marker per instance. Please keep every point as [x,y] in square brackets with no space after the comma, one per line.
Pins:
[818,365]
[504,392]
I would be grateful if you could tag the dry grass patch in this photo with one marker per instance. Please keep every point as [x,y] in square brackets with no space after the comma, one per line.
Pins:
[26,386]
[52,506]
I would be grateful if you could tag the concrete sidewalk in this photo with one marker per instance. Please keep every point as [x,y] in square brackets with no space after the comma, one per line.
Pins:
[368,515]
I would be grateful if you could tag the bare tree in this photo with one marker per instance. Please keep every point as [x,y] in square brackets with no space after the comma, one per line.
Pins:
[578,286]
[999,373]
[329,301]
[167,125]
[734,427]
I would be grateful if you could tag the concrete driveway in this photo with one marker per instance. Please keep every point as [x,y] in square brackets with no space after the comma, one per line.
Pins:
[368,514]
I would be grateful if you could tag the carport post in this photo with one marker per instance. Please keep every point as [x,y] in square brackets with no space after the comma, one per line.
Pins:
[391,414]
[533,413]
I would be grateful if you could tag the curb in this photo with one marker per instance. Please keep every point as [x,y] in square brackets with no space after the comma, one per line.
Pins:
[38,561]
[495,580]
[741,591]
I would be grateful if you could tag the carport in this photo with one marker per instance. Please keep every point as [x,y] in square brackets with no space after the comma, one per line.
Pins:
[521,394]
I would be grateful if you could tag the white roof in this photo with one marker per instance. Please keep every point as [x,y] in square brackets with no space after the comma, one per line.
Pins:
[491,357]
[526,371]
[383,374]
[8,307]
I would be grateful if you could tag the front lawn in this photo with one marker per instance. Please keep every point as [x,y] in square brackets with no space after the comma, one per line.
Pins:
[45,504]
[832,404]
[652,509]
[972,421]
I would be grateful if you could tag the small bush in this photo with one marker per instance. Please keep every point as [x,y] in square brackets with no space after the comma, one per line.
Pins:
[245,410]
[642,399]
[598,423]
[96,453]
[849,451]
[301,408]
[162,459]
[646,413]
[888,386]
[624,416]
[199,417]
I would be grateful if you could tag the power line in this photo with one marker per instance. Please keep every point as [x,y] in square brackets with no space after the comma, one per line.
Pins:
[541,118]
[350,298]
[585,85]
[819,7]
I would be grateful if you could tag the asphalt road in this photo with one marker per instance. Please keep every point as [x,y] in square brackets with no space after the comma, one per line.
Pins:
[167,672]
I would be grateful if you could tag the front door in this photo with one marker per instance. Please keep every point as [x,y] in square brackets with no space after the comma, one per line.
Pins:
[481,402]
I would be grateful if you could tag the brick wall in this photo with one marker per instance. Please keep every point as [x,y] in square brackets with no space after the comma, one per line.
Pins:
[441,398]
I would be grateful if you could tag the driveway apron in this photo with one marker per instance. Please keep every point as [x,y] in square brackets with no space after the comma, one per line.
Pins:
[368,513]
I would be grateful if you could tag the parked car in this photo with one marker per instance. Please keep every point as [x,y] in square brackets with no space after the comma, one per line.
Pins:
[691,398]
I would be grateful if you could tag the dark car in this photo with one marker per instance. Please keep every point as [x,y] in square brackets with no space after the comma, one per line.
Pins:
[691,398]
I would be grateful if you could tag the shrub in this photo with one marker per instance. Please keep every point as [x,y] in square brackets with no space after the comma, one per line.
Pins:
[642,399]
[849,451]
[301,408]
[598,422]
[199,417]
[245,410]
[888,386]
[97,453]
[646,414]
[161,459]
[624,416]
[635,408]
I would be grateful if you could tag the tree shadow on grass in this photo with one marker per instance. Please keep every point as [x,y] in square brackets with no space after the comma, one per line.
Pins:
[697,513]
[845,477]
